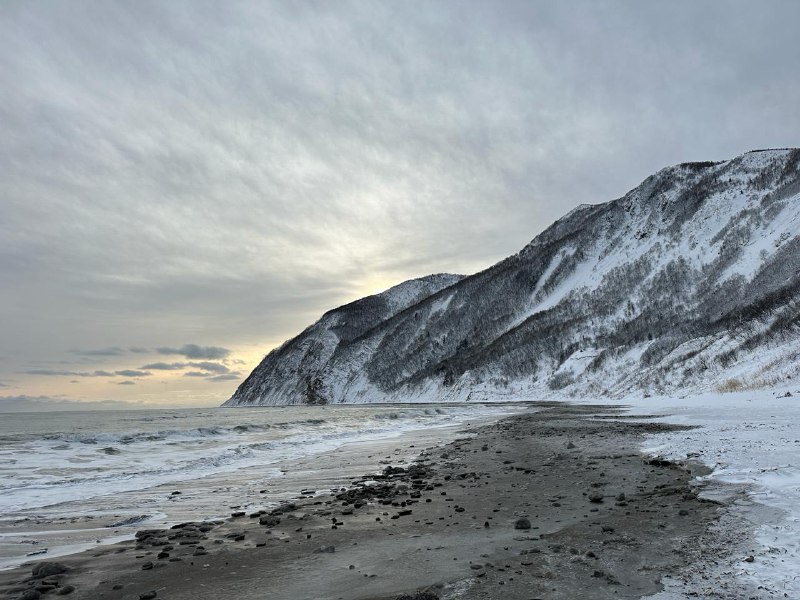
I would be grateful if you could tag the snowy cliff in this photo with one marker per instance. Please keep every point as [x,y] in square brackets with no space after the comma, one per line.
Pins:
[689,282]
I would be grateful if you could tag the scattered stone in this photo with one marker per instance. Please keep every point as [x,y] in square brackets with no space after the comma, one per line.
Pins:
[522,523]
[269,521]
[46,569]
[596,498]
[749,559]
[148,595]
[284,508]
[30,595]
[325,550]
[43,589]
[67,589]
[147,566]
[424,595]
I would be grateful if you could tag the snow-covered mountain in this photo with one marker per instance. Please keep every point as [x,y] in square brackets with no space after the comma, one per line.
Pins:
[689,282]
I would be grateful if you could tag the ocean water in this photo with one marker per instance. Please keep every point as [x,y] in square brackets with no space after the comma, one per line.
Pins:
[72,479]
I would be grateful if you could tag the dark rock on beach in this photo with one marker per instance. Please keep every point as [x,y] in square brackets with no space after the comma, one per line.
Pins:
[46,569]
[522,523]
[426,595]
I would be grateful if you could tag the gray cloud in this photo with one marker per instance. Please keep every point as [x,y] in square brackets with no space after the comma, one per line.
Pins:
[46,404]
[126,382]
[214,374]
[210,366]
[244,167]
[162,366]
[195,351]
[138,350]
[226,377]
[58,373]
[97,373]
[132,373]
[111,351]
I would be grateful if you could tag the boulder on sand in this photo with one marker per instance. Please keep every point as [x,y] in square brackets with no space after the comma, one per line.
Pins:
[46,569]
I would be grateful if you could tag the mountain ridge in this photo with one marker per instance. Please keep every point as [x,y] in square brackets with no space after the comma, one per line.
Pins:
[672,287]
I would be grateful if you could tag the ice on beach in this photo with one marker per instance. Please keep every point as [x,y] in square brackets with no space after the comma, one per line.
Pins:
[750,438]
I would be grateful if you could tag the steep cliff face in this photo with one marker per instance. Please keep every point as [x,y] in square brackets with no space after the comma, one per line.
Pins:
[292,373]
[688,282]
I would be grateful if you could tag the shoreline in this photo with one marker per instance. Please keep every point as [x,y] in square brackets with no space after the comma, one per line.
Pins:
[604,522]
[66,527]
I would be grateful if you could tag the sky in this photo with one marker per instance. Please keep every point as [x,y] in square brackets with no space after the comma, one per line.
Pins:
[185,185]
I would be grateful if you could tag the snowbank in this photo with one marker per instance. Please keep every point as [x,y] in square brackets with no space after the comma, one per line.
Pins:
[750,438]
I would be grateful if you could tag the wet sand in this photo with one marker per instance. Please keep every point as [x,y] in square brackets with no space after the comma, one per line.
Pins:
[553,504]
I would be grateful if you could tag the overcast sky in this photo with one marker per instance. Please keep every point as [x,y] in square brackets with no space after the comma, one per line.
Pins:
[184,185]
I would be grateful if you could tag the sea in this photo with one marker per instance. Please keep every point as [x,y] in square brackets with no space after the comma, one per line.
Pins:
[70,481]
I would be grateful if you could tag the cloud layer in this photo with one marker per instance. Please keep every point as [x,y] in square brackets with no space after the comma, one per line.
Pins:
[195,351]
[226,172]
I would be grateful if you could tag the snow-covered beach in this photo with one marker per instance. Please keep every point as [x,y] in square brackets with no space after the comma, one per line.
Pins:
[750,439]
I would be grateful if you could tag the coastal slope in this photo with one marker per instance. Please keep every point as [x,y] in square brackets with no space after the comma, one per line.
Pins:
[687,283]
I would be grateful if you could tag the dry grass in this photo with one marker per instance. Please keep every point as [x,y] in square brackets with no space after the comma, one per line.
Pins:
[730,385]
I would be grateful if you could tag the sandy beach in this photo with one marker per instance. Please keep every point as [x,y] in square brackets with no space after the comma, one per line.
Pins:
[552,504]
